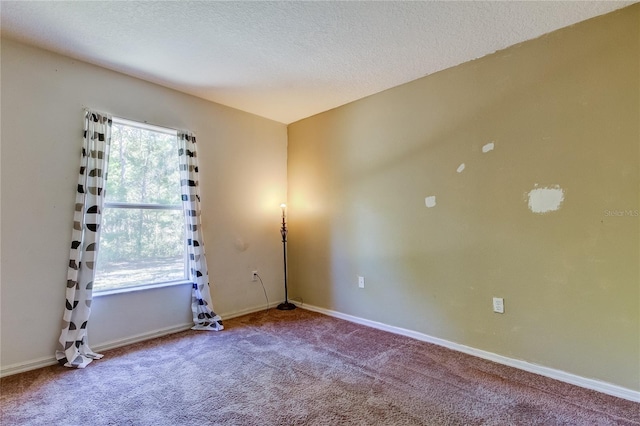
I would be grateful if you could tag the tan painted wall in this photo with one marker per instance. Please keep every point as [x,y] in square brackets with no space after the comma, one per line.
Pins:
[243,177]
[562,110]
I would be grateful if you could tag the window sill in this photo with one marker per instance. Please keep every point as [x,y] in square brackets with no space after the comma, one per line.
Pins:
[141,287]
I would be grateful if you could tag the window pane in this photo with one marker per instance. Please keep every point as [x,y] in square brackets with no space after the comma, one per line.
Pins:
[143,167]
[140,246]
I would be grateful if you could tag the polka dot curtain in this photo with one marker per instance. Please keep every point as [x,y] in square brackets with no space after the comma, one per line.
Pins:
[203,317]
[73,349]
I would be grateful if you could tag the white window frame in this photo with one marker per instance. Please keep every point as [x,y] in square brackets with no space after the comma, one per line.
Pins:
[147,206]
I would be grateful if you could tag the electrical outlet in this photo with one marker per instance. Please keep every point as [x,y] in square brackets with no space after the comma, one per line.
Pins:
[254,276]
[498,305]
[361,282]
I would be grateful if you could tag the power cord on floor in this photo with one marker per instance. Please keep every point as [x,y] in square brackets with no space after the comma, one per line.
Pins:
[264,290]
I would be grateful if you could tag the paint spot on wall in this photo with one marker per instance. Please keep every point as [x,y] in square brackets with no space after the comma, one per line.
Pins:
[430,201]
[460,168]
[545,200]
[488,147]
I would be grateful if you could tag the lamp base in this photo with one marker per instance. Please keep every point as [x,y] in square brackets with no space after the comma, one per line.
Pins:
[286,306]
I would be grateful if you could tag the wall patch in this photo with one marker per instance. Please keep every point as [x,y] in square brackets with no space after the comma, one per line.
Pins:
[545,200]
[488,147]
[430,201]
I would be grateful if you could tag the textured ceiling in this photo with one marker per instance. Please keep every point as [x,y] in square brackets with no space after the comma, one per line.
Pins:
[284,60]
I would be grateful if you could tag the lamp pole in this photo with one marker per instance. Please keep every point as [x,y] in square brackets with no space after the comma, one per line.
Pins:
[286,305]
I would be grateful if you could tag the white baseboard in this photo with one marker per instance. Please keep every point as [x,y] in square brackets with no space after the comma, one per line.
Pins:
[563,376]
[47,361]
[33,364]
[21,367]
[118,343]
[247,311]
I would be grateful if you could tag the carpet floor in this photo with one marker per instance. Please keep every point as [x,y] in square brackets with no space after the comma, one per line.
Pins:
[298,368]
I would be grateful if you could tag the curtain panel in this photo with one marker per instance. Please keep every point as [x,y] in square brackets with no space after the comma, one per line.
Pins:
[203,316]
[73,349]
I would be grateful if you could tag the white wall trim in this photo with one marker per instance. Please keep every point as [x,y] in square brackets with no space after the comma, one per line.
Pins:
[563,376]
[21,367]
[597,385]
[34,364]
[247,311]
[141,337]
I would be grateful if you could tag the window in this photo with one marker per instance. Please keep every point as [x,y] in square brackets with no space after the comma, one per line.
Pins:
[142,235]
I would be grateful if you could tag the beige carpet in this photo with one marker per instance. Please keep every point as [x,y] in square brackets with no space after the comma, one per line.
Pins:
[298,368]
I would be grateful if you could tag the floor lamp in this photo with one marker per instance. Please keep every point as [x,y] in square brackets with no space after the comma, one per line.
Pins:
[286,305]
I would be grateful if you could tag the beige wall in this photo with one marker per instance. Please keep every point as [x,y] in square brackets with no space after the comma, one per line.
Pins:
[243,182]
[561,110]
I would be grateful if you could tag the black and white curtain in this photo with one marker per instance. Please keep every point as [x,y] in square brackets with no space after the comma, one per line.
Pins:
[73,349]
[203,317]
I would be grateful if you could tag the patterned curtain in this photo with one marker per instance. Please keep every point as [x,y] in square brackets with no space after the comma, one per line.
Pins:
[203,317]
[73,349]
